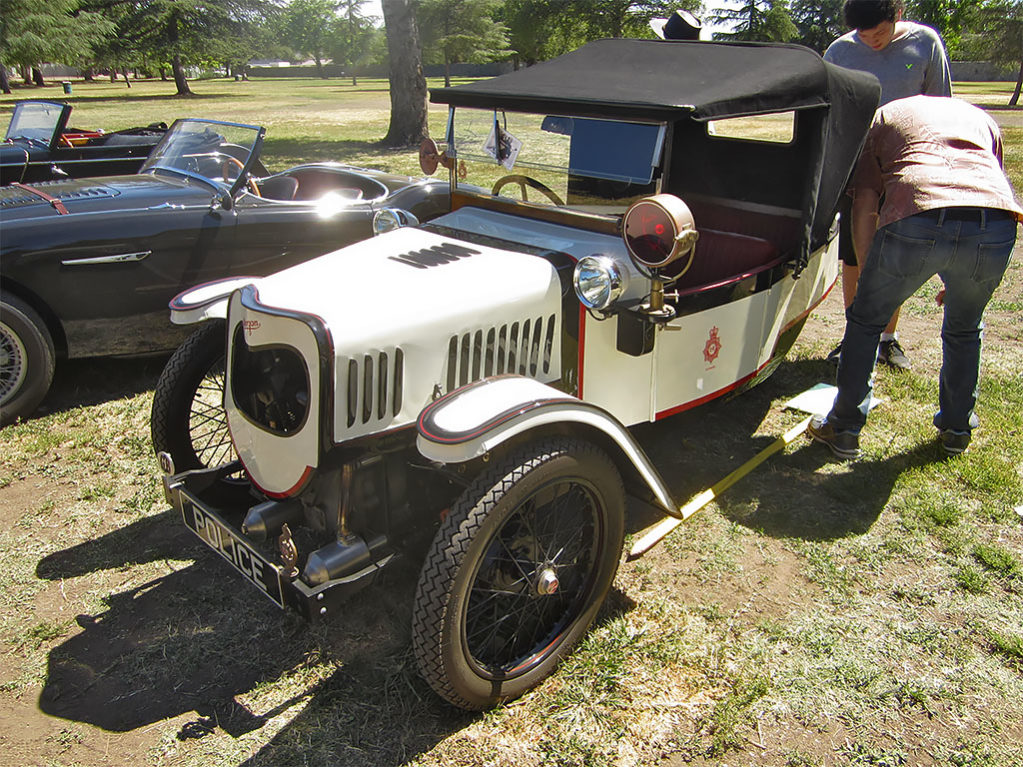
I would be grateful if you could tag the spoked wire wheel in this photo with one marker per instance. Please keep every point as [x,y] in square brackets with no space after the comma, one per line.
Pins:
[518,571]
[207,421]
[13,362]
[27,359]
[188,419]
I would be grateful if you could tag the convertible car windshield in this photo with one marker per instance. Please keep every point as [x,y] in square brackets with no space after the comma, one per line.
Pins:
[598,166]
[34,121]
[208,148]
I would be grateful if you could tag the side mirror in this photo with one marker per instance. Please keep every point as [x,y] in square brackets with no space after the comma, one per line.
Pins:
[221,201]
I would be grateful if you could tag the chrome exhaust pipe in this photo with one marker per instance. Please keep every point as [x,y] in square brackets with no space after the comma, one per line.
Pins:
[265,520]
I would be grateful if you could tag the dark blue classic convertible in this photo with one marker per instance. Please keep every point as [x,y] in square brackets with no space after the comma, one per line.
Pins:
[88,266]
[41,145]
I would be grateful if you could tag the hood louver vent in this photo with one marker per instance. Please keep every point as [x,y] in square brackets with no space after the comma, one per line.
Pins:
[375,387]
[522,348]
[13,197]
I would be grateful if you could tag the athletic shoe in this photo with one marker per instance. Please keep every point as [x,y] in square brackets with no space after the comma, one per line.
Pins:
[891,354]
[954,442]
[844,444]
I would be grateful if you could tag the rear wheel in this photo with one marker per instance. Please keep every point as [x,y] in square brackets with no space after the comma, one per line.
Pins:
[188,419]
[26,359]
[517,572]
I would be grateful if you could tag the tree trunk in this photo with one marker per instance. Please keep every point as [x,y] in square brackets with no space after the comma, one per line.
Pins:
[37,77]
[126,80]
[5,84]
[447,72]
[163,73]
[26,74]
[179,77]
[408,124]
[319,69]
[1019,83]
[87,75]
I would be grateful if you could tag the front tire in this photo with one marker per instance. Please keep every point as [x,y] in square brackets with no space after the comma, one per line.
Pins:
[27,359]
[517,572]
[188,420]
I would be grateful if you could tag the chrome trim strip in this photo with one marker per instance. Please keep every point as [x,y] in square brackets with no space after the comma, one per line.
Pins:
[120,258]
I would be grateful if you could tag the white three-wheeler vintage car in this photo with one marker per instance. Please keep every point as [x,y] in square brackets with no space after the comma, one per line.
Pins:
[636,228]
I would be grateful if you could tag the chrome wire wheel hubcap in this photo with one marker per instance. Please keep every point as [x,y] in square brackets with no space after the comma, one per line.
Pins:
[13,363]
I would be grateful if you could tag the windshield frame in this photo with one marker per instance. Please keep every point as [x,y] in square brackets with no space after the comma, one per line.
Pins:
[463,183]
[26,110]
[166,155]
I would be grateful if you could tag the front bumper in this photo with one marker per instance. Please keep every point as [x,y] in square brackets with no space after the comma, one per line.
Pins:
[212,506]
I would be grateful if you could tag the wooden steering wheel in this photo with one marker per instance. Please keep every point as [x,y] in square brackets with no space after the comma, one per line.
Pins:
[527,181]
[228,161]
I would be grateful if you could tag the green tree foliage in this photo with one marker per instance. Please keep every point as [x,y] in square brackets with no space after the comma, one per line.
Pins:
[818,22]
[950,17]
[757,20]
[191,32]
[462,31]
[627,18]
[997,36]
[541,29]
[353,36]
[309,27]
[56,31]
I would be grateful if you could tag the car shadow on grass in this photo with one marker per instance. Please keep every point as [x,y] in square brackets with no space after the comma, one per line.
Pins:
[801,501]
[791,494]
[695,449]
[196,645]
[84,382]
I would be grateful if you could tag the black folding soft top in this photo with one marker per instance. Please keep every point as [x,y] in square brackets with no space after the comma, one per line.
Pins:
[688,80]
[660,78]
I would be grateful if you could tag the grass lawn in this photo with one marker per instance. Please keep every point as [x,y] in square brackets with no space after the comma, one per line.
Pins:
[818,613]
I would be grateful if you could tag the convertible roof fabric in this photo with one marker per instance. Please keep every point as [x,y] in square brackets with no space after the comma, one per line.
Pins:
[662,78]
[687,82]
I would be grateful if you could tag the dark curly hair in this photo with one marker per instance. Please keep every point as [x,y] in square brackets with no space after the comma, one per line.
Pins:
[867,14]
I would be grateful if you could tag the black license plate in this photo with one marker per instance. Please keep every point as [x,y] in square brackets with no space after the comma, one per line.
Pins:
[239,554]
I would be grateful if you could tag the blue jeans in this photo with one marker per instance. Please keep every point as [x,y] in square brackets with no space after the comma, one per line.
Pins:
[970,256]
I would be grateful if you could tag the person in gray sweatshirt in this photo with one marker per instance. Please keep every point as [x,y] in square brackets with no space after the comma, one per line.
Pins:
[910,60]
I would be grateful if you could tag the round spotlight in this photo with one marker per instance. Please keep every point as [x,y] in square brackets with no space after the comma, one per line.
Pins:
[658,230]
[598,282]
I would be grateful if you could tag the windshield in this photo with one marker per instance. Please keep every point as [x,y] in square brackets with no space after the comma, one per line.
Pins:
[214,150]
[598,166]
[34,121]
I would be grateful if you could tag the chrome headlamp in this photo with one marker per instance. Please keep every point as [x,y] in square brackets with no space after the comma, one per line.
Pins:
[598,281]
[389,219]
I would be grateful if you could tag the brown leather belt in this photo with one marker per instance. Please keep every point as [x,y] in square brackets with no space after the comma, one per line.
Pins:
[55,202]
